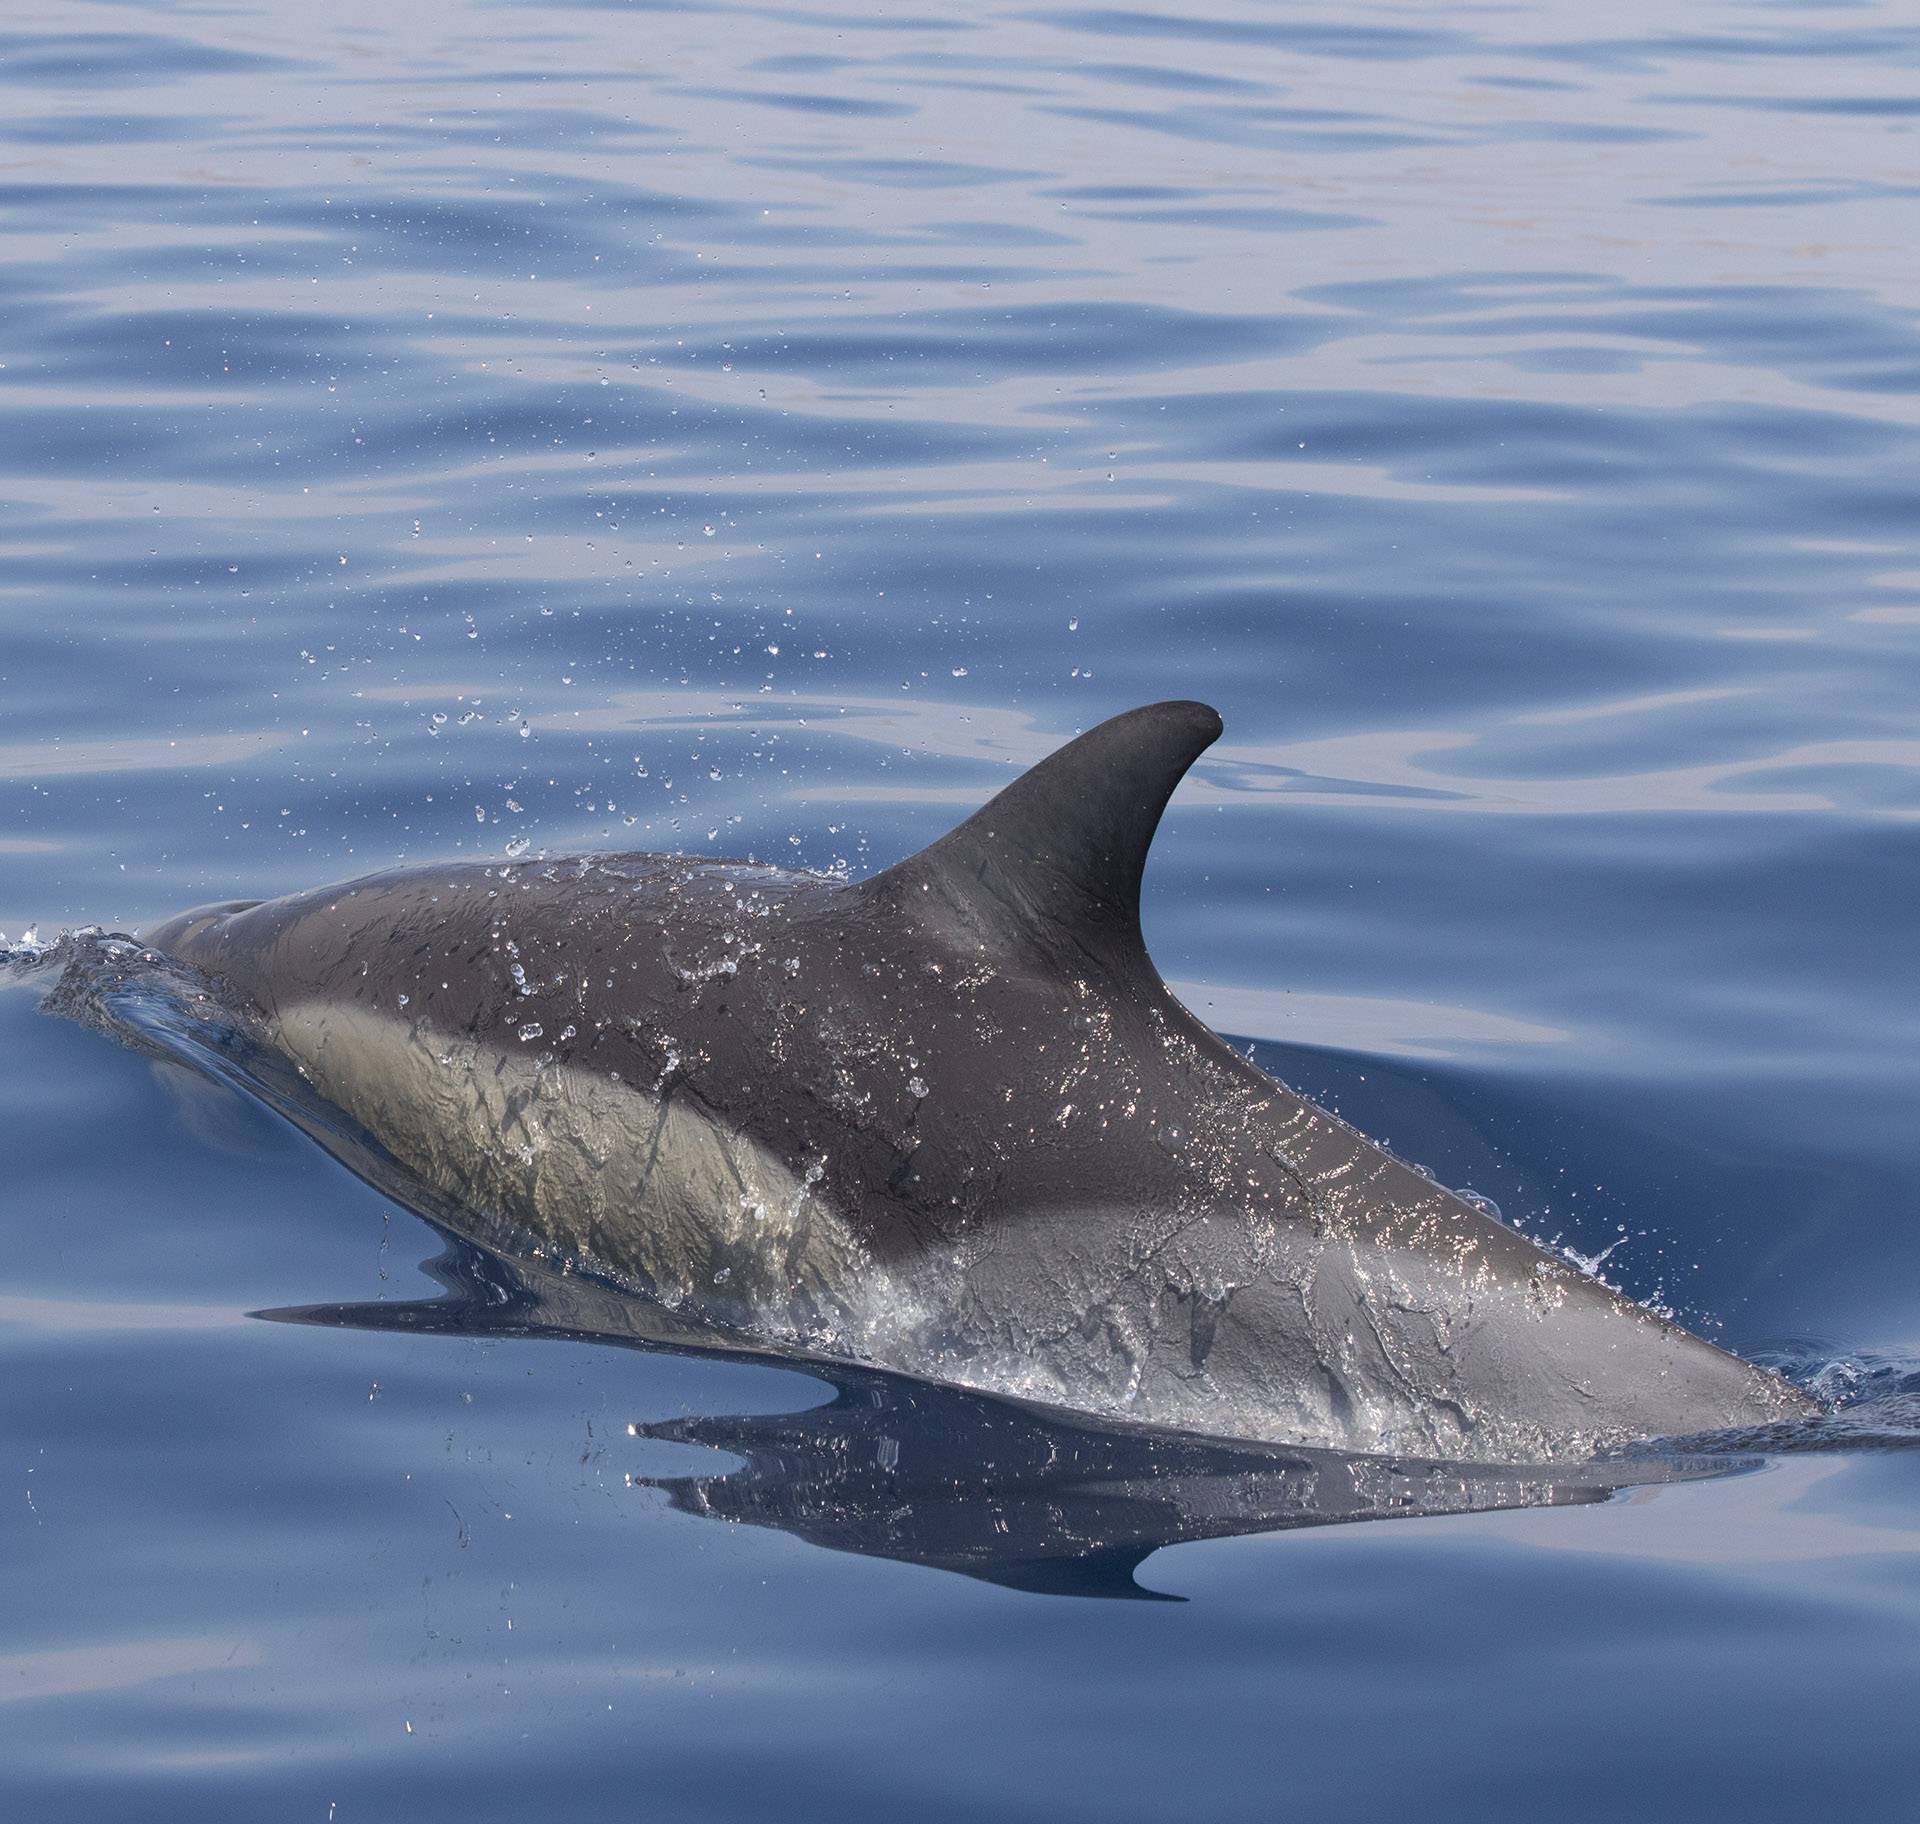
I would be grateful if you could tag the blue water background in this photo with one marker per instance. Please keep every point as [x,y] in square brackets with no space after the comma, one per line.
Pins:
[758,429]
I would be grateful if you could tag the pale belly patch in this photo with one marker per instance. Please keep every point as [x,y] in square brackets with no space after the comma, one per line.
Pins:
[605,1174]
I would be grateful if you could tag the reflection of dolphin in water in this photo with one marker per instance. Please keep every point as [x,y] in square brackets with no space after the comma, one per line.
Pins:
[948,1120]
[1033,1498]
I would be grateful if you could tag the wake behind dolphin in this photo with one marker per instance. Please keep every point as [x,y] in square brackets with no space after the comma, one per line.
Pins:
[948,1120]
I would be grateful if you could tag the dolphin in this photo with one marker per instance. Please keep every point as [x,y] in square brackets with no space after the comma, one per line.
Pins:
[949,1120]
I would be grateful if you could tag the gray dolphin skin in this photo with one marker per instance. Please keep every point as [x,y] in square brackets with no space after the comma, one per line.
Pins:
[948,1120]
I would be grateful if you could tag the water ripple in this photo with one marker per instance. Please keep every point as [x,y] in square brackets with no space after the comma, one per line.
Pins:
[751,428]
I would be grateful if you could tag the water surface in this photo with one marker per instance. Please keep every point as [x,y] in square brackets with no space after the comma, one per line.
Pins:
[756,430]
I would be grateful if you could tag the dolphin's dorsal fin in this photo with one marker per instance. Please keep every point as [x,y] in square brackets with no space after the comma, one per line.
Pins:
[1052,864]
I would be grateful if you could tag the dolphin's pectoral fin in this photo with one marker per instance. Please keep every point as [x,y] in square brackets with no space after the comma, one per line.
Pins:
[1053,863]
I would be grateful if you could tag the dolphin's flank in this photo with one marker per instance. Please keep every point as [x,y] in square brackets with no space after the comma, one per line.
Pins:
[948,1119]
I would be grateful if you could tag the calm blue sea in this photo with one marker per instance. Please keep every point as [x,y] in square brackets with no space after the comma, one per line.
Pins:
[757,428]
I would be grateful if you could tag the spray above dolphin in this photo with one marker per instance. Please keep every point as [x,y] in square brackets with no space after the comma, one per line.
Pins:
[949,1120]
